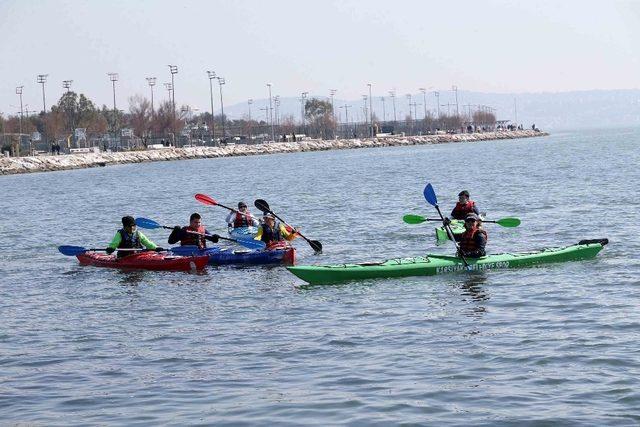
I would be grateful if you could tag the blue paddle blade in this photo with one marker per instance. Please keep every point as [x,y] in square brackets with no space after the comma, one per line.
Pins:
[71,250]
[430,195]
[250,243]
[186,250]
[147,223]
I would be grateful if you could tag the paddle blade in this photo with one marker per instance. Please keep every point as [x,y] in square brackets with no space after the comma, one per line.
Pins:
[413,219]
[71,250]
[250,243]
[430,195]
[206,200]
[187,250]
[262,205]
[509,222]
[315,245]
[147,223]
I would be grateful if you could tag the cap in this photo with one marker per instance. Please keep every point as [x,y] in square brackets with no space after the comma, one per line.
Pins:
[268,215]
[472,216]
[128,221]
[242,205]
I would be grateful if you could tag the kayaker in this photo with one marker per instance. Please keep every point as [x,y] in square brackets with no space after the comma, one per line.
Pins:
[241,218]
[271,233]
[193,234]
[474,240]
[464,206]
[129,237]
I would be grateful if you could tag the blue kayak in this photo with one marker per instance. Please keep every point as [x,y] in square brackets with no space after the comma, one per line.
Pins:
[285,255]
[243,232]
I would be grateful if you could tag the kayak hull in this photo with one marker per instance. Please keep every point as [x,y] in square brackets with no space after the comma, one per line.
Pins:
[432,265]
[284,255]
[145,261]
[243,232]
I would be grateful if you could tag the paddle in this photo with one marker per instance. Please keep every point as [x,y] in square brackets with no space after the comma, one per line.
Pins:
[504,222]
[77,250]
[264,207]
[430,196]
[247,243]
[208,200]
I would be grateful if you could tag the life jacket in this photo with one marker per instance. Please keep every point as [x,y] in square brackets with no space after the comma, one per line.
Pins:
[193,239]
[468,241]
[270,235]
[461,211]
[241,220]
[128,241]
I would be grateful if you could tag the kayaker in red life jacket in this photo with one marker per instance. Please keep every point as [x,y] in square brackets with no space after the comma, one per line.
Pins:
[193,234]
[129,237]
[241,218]
[464,206]
[474,240]
[272,234]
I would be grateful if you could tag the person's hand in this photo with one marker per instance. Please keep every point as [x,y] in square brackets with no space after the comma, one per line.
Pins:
[110,250]
[213,238]
[230,225]
[177,229]
[447,221]
[159,249]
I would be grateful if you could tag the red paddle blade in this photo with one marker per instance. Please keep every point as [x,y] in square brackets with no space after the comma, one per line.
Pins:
[205,200]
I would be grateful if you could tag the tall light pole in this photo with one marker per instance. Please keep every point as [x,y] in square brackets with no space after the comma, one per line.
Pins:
[152,83]
[276,108]
[169,88]
[384,111]
[19,93]
[303,98]
[332,93]
[437,95]
[114,78]
[273,136]
[392,93]
[370,109]
[222,81]
[42,79]
[67,84]
[346,115]
[455,90]
[424,96]
[364,109]
[410,114]
[212,75]
[249,102]
[173,69]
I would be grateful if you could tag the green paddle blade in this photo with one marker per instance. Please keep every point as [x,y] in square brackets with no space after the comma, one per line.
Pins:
[509,222]
[413,219]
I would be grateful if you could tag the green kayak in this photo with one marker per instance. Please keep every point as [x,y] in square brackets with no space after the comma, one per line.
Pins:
[431,265]
[457,226]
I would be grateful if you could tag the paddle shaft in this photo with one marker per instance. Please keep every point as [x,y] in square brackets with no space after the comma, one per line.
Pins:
[248,215]
[451,236]
[211,235]
[290,226]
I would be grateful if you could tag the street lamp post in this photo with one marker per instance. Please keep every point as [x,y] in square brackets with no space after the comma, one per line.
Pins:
[222,81]
[364,110]
[370,109]
[19,93]
[437,95]
[273,136]
[249,102]
[212,75]
[152,83]
[424,100]
[173,69]
[332,93]
[384,111]
[276,108]
[303,99]
[67,84]
[42,79]
[346,116]
[392,93]
[455,90]
[114,78]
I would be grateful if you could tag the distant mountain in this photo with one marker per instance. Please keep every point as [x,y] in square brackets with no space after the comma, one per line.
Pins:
[561,110]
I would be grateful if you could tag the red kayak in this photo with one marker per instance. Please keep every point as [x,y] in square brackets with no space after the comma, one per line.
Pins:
[145,261]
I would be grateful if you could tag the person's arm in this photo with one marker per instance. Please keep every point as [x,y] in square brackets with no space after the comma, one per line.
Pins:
[175,236]
[286,234]
[230,218]
[475,209]
[115,242]
[254,221]
[144,240]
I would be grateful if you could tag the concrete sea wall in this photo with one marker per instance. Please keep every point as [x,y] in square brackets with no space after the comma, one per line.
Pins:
[14,165]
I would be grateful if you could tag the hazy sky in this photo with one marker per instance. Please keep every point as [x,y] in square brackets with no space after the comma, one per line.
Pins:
[490,46]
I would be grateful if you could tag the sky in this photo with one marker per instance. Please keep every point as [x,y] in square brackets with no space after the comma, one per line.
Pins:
[313,46]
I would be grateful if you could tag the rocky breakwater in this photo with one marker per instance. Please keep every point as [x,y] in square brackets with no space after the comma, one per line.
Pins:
[14,165]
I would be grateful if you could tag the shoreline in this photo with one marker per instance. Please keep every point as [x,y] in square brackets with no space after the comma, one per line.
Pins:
[50,163]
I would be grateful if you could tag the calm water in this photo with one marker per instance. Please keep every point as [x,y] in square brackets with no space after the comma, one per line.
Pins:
[557,345]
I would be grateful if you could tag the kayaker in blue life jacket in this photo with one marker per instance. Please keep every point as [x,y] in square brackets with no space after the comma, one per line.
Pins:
[128,237]
[241,218]
[474,240]
[192,234]
[464,206]
[272,233]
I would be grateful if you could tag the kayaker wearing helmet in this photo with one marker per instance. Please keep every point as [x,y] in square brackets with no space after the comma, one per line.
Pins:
[271,233]
[474,239]
[193,234]
[129,237]
[464,206]
[242,217]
